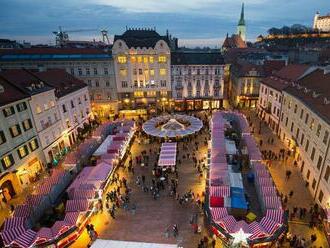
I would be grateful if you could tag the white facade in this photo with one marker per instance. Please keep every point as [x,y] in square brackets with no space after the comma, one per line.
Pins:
[75,110]
[48,123]
[308,133]
[20,151]
[197,81]
[269,105]
[142,74]
[321,23]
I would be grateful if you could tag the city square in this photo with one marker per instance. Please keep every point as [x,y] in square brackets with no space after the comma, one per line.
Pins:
[130,136]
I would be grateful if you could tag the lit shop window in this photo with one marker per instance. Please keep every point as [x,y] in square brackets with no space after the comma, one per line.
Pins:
[152,72]
[151,59]
[162,59]
[145,60]
[133,59]
[138,94]
[151,93]
[122,59]
[162,72]
[139,59]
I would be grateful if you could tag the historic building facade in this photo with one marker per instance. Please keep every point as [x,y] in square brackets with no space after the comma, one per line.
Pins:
[142,67]
[305,128]
[197,80]
[321,23]
[93,66]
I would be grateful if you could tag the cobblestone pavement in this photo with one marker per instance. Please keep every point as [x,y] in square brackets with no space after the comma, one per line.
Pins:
[153,217]
[301,196]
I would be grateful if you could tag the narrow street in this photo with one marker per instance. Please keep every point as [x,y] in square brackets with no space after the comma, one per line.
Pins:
[301,196]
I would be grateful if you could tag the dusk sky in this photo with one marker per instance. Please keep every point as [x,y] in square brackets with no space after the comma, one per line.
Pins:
[194,22]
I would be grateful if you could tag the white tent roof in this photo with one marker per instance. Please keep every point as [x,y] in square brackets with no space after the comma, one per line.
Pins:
[104,146]
[102,243]
[230,147]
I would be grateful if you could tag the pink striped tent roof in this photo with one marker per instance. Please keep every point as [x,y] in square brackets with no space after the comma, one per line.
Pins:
[100,172]
[219,158]
[269,225]
[80,194]
[169,144]
[219,175]
[265,181]
[272,202]
[242,225]
[60,227]
[167,162]
[71,217]
[164,152]
[34,200]
[262,173]
[25,239]
[11,234]
[219,181]
[44,188]
[44,233]
[109,156]
[76,205]
[257,231]
[253,150]
[13,222]
[223,191]
[23,210]
[275,215]
[218,213]
[168,148]
[71,158]
[228,223]
[268,191]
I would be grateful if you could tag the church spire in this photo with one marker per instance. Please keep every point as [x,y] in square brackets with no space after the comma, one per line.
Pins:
[241,20]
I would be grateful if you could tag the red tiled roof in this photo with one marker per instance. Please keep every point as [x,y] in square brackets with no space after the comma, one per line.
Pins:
[317,84]
[271,66]
[11,93]
[63,82]
[235,41]
[53,50]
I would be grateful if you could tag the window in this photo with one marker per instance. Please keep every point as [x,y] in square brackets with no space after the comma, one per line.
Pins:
[95,71]
[311,124]
[314,184]
[22,151]
[106,72]
[7,161]
[326,137]
[292,126]
[140,71]
[162,72]
[2,138]
[68,124]
[38,109]
[321,196]
[79,100]
[295,108]
[152,72]
[302,138]
[139,59]
[151,93]
[123,72]
[27,124]
[318,130]
[308,174]
[122,59]
[319,162]
[79,71]
[301,113]
[133,59]
[162,83]
[72,104]
[107,83]
[21,106]
[72,71]
[97,83]
[89,82]
[88,72]
[145,60]
[64,108]
[307,145]
[85,97]
[8,111]
[162,59]
[151,59]
[306,118]
[327,174]
[124,84]
[297,133]
[138,94]
[34,144]
[313,154]
[163,93]
[286,121]
[15,130]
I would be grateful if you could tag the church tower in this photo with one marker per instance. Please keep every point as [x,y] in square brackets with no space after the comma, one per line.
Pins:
[241,28]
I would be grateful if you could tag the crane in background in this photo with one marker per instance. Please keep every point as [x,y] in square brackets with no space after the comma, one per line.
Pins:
[62,36]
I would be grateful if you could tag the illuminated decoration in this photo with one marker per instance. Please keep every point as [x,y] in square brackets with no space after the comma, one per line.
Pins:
[172,126]
[240,237]
[122,59]
[162,72]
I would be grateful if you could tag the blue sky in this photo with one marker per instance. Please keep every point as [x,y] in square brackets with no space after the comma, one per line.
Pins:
[194,22]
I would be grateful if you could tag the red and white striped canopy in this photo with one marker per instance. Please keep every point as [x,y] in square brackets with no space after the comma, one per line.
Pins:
[11,234]
[269,225]
[223,191]
[60,227]
[81,194]
[268,191]
[265,181]
[257,231]
[44,233]
[23,210]
[242,225]
[71,217]
[218,213]
[272,202]
[76,205]
[25,239]
[13,222]
[275,215]
[228,223]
